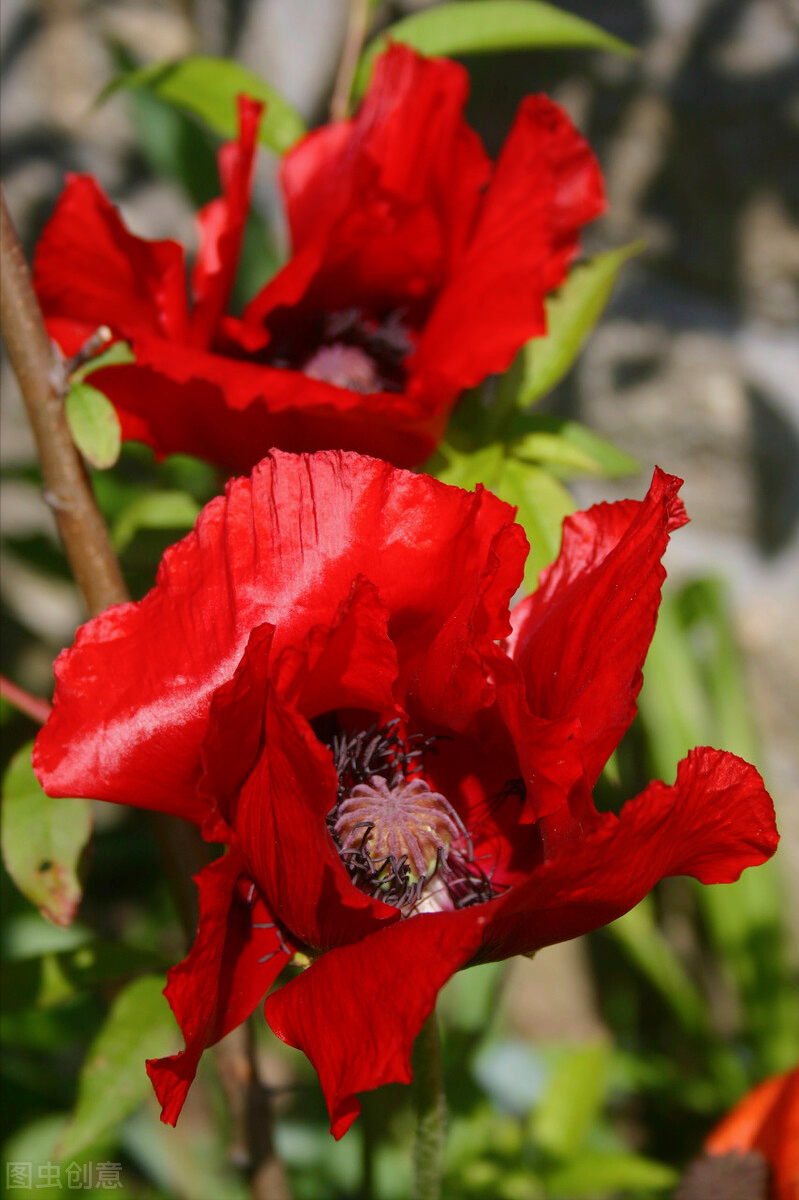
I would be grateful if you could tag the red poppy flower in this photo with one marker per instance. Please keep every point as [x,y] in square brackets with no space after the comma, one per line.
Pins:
[325,679]
[418,269]
[766,1121]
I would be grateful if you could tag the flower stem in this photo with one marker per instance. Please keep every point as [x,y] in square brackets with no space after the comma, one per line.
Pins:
[431,1111]
[68,491]
[357,26]
[42,381]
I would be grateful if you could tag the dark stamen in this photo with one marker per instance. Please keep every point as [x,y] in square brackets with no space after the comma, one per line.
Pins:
[380,773]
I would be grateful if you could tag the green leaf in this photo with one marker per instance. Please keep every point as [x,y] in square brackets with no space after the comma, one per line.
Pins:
[174,144]
[467,470]
[94,425]
[115,356]
[542,504]
[42,840]
[572,313]
[195,1161]
[567,448]
[113,1080]
[572,1100]
[483,26]
[154,510]
[695,693]
[541,501]
[598,1174]
[207,88]
[673,702]
[35,1144]
[47,980]
[638,933]
[469,999]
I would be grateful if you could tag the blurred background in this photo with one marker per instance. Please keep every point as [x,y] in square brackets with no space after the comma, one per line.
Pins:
[624,1047]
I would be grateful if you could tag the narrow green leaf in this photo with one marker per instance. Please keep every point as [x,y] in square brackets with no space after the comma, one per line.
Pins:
[572,313]
[94,425]
[598,1174]
[704,611]
[694,693]
[207,88]
[639,935]
[115,356]
[673,702]
[42,840]
[113,1080]
[572,1100]
[566,447]
[483,26]
[542,504]
[154,510]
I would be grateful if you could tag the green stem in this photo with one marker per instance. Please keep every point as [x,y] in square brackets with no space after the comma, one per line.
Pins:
[431,1111]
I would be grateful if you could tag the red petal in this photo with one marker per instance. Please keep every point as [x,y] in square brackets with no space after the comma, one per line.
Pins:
[395,191]
[231,966]
[179,399]
[453,680]
[546,186]
[133,694]
[234,738]
[580,640]
[550,753]
[88,267]
[222,225]
[279,818]
[713,822]
[357,1010]
[767,1120]
[739,1131]
[351,664]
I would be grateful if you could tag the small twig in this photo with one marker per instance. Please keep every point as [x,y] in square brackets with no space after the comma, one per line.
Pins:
[357,25]
[32,706]
[101,337]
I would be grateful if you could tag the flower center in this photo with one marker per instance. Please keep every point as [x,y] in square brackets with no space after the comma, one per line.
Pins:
[400,841]
[349,348]
[345,367]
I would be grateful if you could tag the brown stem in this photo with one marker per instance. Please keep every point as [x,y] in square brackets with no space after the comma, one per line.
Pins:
[42,380]
[32,706]
[249,1103]
[68,491]
[357,25]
